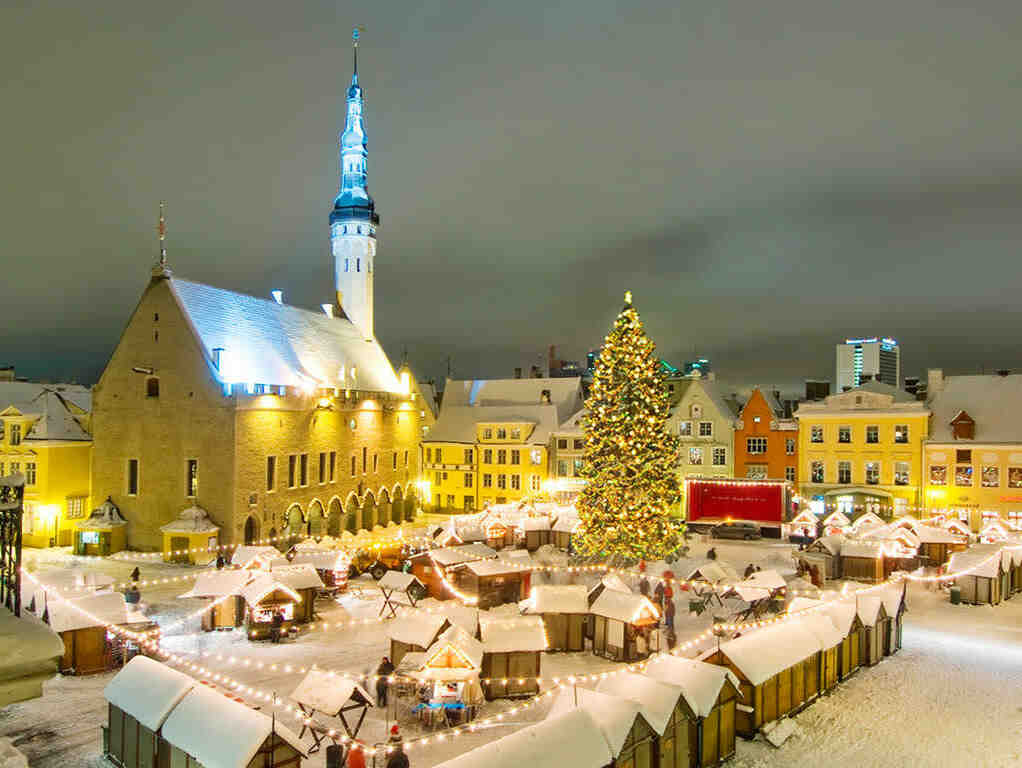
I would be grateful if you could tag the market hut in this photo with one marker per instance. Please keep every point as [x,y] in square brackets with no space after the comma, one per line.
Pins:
[865,522]
[456,613]
[836,523]
[936,545]
[631,739]
[570,739]
[208,728]
[498,534]
[192,538]
[82,624]
[862,560]
[494,582]
[326,693]
[139,699]
[331,565]
[624,625]
[432,568]
[711,695]
[413,631]
[264,596]
[224,589]
[103,533]
[877,626]
[400,588]
[563,609]
[802,527]
[512,652]
[304,581]
[1012,561]
[957,526]
[826,551]
[777,668]
[609,581]
[845,618]
[893,596]
[538,531]
[983,575]
[829,638]
[57,583]
[254,557]
[563,531]
[451,668]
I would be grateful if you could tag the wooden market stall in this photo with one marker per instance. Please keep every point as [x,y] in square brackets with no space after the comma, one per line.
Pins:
[777,668]
[829,638]
[265,596]
[632,740]
[324,693]
[866,522]
[572,739]
[984,578]
[82,625]
[827,549]
[663,706]
[512,652]
[624,625]
[538,532]
[450,677]
[563,609]
[414,631]
[862,561]
[103,533]
[494,582]
[331,565]
[209,728]
[254,557]
[304,581]
[845,618]
[802,527]
[224,590]
[61,583]
[432,568]
[193,538]
[893,596]
[139,699]
[877,628]
[836,523]
[711,695]
[400,588]
[563,531]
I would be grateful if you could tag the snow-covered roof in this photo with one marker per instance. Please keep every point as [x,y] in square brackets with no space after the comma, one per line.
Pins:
[300,576]
[457,424]
[868,549]
[566,598]
[655,698]
[760,585]
[842,613]
[805,517]
[868,607]
[613,582]
[264,342]
[989,400]
[536,524]
[95,610]
[565,394]
[508,635]
[220,732]
[416,628]
[837,519]
[820,625]
[893,596]
[460,615]
[465,553]
[191,520]
[245,554]
[689,389]
[712,571]
[219,583]
[980,560]
[571,738]
[148,690]
[398,580]
[566,524]
[763,653]
[614,715]
[831,544]
[328,560]
[55,409]
[496,567]
[624,606]
[327,693]
[106,515]
[262,585]
[700,682]
[466,647]
[928,534]
[867,519]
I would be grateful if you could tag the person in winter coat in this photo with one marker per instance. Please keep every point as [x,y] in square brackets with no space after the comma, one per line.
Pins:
[644,586]
[669,615]
[356,755]
[276,626]
[749,570]
[220,563]
[385,670]
[658,594]
[135,574]
[397,758]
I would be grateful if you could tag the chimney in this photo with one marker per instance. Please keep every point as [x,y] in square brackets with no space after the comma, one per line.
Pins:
[518,372]
[934,381]
[278,296]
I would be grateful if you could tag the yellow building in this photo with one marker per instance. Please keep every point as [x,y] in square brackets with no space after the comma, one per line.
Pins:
[861,450]
[973,459]
[492,440]
[44,434]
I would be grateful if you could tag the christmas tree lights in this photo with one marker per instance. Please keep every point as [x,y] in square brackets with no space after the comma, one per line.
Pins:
[630,456]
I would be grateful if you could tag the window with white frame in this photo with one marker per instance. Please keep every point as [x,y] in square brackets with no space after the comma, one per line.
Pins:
[990,477]
[756,445]
[502,481]
[844,434]
[468,479]
[516,433]
[816,471]
[487,455]
[536,456]
[789,474]
[901,433]
[695,456]
[487,480]
[15,434]
[789,446]
[901,473]
[816,434]
[938,474]
[516,482]
[30,473]
[872,473]
[963,475]
[844,472]
[1014,477]
[705,429]
[872,434]
[75,507]
[502,456]
[719,457]
[756,471]
[685,429]
[501,433]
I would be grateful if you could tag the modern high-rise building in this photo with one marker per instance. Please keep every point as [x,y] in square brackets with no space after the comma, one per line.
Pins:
[872,359]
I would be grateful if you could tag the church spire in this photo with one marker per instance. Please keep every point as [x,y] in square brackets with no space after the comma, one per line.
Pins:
[354,187]
[160,268]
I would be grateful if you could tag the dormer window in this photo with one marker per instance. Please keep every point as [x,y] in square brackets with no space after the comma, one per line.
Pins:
[963,427]
[696,411]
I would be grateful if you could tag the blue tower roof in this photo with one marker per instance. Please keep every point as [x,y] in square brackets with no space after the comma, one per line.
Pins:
[353,200]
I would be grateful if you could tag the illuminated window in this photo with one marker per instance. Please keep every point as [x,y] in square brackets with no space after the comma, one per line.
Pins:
[756,444]
[938,474]
[1014,477]
[789,446]
[516,433]
[873,434]
[901,473]
[685,429]
[30,473]
[577,463]
[816,435]
[536,456]
[1015,519]
[901,433]
[75,507]
[789,474]
[756,471]
[720,457]
[844,434]
[192,478]
[844,472]
[990,477]
[695,456]
[516,457]
[963,475]
[271,472]
[872,473]
[816,471]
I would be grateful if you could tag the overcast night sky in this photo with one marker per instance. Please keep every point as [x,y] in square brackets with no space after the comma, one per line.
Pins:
[767,178]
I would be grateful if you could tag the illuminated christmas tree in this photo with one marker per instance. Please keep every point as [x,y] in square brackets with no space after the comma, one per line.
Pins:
[630,457]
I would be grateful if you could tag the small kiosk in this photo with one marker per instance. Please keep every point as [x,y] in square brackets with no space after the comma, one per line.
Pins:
[103,533]
[192,538]
[255,558]
[414,632]
[563,609]
[512,650]
[449,676]
[538,532]
[629,736]
[494,582]
[305,582]
[398,589]
[82,625]
[624,626]
[265,596]
[224,590]
[563,531]
[331,565]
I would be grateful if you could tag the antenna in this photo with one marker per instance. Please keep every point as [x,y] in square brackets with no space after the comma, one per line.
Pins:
[354,48]
[162,230]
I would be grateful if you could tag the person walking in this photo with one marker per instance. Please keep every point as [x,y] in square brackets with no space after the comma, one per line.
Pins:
[276,625]
[385,670]
[135,575]
[220,563]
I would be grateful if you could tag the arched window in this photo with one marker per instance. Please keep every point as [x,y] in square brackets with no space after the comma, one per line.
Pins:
[152,387]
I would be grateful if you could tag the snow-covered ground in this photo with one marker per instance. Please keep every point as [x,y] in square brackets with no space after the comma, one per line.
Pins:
[952,696]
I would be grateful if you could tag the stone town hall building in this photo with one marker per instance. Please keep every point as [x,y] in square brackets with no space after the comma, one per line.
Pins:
[273,418]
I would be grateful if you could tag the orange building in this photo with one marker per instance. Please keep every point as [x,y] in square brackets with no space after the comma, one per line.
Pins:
[766,443]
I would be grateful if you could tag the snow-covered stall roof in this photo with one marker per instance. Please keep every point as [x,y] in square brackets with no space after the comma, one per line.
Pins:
[566,524]
[980,560]
[868,608]
[398,580]
[803,604]
[710,571]
[465,647]
[322,544]
[837,519]
[830,544]
[655,698]
[893,596]
[496,567]
[220,732]
[94,610]
[566,598]
[510,635]
[763,653]
[614,715]
[262,585]
[803,518]
[63,582]
[465,553]
[820,625]
[866,549]
[192,520]
[301,576]
[536,524]
[246,553]
[148,690]
[865,521]
[218,583]
[842,613]
[624,606]
[327,692]
[700,682]
[322,560]
[760,585]
[464,616]
[610,581]
[572,738]
[106,515]
[416,628]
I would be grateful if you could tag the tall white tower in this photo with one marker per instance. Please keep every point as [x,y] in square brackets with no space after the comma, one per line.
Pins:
[354,220]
